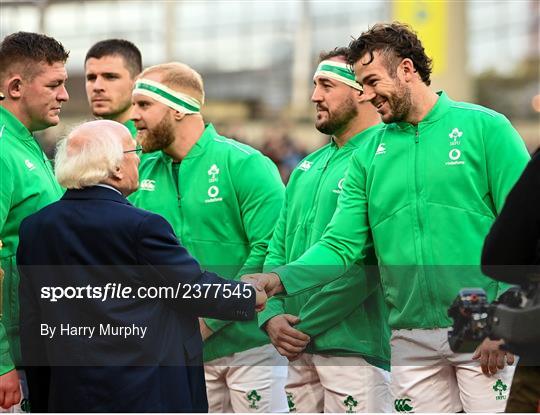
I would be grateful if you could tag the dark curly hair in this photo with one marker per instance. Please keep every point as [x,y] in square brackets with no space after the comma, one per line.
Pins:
[28,49]
[395,41]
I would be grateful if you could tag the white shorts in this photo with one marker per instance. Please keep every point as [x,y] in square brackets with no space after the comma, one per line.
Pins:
[349,384]
[428,377]
[248,381]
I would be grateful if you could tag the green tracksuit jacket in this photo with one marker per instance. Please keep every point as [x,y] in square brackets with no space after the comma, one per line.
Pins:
[223,206]
[347,316]
[428,194]
[27,184]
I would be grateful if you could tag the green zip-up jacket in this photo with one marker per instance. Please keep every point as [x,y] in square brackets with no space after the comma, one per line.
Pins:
[27,184]
[348,315]
[428,194]
[223,206]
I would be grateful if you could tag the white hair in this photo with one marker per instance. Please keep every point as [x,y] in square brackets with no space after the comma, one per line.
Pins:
[90,161]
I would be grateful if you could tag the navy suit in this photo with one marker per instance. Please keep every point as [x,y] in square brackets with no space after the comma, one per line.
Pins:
[93,237]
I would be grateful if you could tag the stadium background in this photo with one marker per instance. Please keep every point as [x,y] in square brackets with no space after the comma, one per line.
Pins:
[257,57]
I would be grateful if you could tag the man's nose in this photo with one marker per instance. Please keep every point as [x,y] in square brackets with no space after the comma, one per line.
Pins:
[316,95]
[98,84]
[63,94]
[134,113]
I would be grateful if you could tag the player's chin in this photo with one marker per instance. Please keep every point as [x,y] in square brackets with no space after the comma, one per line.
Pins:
[320,123]
[101,111]
[52,120]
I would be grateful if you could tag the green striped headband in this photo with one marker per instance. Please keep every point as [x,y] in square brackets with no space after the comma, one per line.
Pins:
[338,71]
[174,99]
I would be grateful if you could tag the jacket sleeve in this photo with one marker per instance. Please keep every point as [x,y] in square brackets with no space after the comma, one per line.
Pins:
[274,307]
[276,248]
[343,240]
[276,256]
[512,245]
[506,157]
[6,363]
[170,264]
[336,300]
[6,190]
[33,349]
[260,195]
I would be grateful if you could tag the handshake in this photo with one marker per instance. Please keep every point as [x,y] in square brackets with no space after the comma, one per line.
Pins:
[266,285]
[289,341]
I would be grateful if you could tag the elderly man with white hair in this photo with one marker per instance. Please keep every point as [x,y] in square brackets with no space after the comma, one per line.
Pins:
[113,347]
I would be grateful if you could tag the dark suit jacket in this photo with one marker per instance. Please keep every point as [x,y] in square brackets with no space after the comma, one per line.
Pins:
[512,248]
[92,237]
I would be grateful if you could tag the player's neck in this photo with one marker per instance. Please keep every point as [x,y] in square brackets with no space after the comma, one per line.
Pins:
[122,117]
[187,136]
[366,118]
[424,99]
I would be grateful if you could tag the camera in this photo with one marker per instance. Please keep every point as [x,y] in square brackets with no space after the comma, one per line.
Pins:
[514,317]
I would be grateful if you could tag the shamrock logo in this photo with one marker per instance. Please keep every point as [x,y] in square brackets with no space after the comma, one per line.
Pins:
[350,403]
[290,402]
[455,134]
[500,387]
[253,397]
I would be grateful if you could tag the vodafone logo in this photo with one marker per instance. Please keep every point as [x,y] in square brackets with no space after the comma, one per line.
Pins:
[213,191]
[455,157]
[454,154]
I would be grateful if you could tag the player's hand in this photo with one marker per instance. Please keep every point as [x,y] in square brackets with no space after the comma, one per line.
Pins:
[268,282]
[205,330]
[260,299]
[491,357]
[10,390]
[288,341]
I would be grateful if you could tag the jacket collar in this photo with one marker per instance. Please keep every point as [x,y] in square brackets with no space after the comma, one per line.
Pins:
[206,137]
[94,193]
[9,121]
[439,109]
[355,140]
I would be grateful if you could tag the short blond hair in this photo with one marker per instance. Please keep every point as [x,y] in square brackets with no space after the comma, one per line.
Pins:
[180,77]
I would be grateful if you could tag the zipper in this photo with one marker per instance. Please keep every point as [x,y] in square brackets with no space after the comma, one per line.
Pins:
[322,177]
[179,199]
[422,273]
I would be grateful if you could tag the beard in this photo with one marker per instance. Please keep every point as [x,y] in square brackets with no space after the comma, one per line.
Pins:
[339,118]
[400,105]
[159,137]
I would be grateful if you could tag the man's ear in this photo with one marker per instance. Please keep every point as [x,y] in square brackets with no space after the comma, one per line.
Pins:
[14,87]
[179,116]
[117,175]
[407,69]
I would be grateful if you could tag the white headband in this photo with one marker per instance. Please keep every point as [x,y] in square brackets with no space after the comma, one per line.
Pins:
[174,99]
[338,71]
